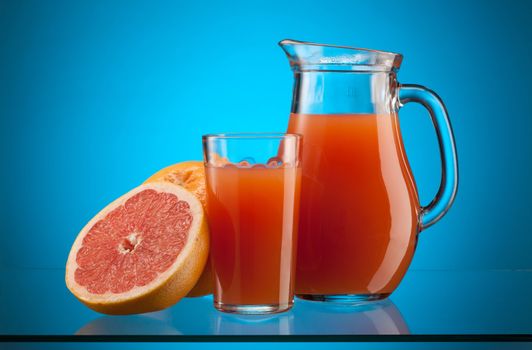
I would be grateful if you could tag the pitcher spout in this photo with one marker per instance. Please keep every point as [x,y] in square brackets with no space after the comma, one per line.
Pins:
[305,56]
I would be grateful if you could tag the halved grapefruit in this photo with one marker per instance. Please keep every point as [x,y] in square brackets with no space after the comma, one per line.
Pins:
[190,175]
[141,253]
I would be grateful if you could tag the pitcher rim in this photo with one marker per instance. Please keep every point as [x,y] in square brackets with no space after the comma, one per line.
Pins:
[311,43]
[339,56]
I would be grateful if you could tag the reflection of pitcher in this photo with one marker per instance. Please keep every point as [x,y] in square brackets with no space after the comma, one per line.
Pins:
[360,213]
[381,317]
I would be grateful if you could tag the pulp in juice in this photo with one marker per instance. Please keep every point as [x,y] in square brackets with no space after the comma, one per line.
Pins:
[252,214]
[359,205]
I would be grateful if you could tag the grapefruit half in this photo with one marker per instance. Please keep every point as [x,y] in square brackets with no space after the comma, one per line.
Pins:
[190,175]
[141,253]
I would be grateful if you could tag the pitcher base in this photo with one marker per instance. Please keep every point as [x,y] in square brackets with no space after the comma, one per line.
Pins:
[350,299]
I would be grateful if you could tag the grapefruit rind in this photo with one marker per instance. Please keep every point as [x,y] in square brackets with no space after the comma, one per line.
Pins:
[169,286]
[189,174]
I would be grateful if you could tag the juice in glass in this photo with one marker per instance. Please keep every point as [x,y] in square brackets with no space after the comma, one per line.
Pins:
[252,211]
[359,207]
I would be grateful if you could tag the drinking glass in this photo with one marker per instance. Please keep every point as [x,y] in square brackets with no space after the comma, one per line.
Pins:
[253,182]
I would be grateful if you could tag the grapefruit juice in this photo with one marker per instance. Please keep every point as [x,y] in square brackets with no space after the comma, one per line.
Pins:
[252,214]
[359,207]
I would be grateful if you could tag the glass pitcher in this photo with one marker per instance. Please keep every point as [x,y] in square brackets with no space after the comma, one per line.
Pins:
[359,212]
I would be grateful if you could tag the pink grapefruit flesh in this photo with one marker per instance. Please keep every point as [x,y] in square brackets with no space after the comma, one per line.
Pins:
[141,253]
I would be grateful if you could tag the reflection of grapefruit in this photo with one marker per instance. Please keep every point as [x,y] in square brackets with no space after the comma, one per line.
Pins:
[135,324]
[141,253]
[190,175]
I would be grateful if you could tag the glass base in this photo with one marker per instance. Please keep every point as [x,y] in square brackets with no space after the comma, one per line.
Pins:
[261,309]
[348,299]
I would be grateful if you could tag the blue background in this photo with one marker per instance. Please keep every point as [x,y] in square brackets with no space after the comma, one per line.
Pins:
[95,96]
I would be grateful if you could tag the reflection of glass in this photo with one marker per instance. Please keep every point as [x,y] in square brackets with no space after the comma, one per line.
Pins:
[155,323]
[252,206]
[380,317]
[230,324]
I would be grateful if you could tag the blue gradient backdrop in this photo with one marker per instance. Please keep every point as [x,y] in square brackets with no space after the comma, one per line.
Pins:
[97,95]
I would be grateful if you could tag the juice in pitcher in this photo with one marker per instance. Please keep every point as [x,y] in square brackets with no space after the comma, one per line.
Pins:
[359,207]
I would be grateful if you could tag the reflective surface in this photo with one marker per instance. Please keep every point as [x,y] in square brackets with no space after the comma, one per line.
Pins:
[36,302]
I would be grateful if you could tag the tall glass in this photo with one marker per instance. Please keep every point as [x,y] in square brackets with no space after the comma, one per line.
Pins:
[253,183]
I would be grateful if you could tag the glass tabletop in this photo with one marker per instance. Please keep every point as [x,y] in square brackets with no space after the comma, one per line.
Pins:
[37,303]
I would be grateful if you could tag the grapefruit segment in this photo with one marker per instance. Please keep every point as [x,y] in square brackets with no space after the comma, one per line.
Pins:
[141,253]
[190,175]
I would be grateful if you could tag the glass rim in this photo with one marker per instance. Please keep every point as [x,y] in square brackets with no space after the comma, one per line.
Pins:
[252,135]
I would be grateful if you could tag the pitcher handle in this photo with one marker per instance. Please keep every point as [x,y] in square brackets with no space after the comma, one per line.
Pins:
[437,208]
